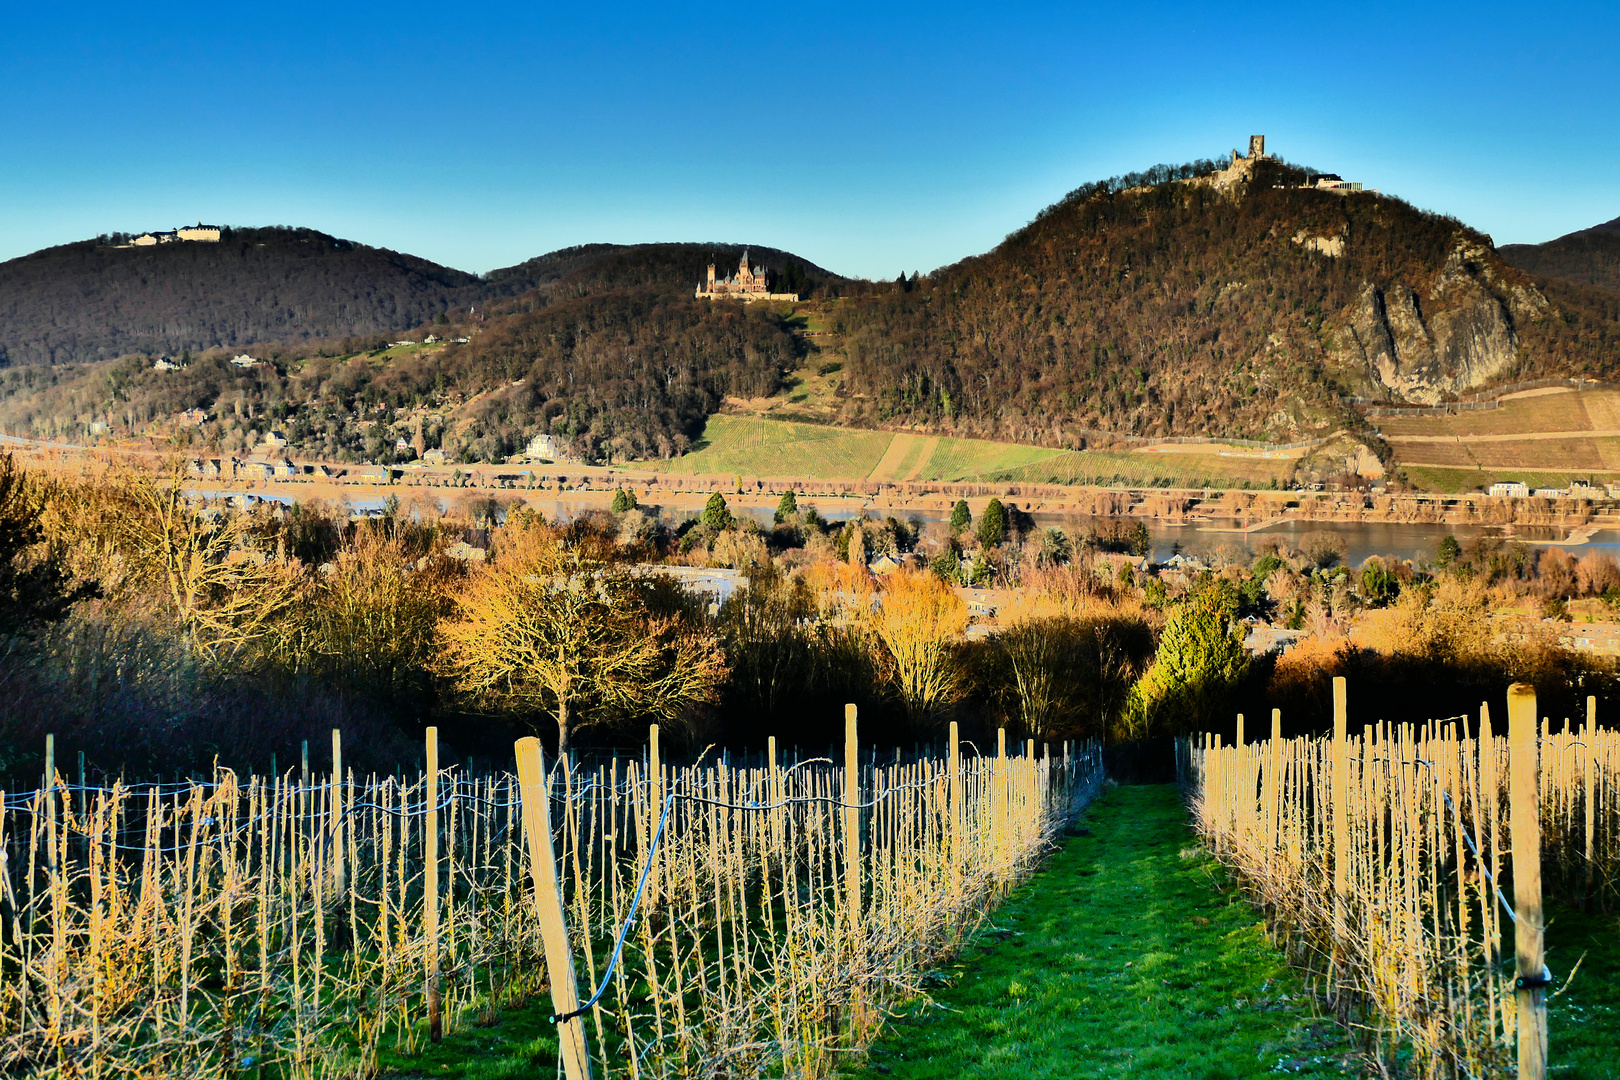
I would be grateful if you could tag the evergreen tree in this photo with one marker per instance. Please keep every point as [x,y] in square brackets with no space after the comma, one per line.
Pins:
[1199,664]
[993,525]
[1450,551]
[787,507]
[716,514]
[1141,542]
[623,501]
[961,517]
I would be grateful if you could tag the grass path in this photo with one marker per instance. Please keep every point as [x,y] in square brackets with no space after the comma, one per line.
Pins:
[1127,955]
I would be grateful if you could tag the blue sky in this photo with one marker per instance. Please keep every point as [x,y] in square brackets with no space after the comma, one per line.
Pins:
[870,138]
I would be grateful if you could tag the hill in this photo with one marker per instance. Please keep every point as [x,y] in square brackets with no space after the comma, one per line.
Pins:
[1245,302]
[1590,256]
[95,300]
[602,347]
[101,299]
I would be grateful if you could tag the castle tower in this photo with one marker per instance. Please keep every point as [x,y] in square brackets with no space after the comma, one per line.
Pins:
[742,269]
[1257,147]
[711,277]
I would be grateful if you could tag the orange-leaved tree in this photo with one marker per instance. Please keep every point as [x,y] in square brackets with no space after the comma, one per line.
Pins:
[920,621]
[554,628]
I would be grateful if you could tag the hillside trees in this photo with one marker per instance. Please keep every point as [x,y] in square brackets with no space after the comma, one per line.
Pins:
[35,586]
[919,620]
[556,629]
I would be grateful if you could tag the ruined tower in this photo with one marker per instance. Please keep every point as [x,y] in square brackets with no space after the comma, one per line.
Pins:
[1257,147]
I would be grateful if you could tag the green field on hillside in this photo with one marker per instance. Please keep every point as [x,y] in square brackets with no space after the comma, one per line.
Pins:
[754,446]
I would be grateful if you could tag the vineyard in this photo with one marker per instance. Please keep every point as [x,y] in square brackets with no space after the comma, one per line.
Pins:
[1404,867]
[702,919]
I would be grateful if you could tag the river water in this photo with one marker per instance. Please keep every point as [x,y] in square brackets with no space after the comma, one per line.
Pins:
[1358,540]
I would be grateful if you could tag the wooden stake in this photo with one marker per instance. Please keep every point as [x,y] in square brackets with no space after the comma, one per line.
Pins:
[1341,803]
[1525,822]
[430,887]
[655,804]
[548,902]
[852,823]
[339,876]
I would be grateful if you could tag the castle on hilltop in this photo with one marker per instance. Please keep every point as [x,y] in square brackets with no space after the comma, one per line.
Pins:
[748,284]
[1241,168]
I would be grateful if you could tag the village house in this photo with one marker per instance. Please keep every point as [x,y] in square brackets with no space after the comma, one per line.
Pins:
[542,448]
[1512,489]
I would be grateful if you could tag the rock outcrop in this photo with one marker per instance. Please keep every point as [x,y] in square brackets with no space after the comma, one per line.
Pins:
[1423,350]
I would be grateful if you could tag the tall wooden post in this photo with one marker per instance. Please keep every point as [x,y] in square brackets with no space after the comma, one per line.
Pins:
[548,902]
[852,823]
[1588,780]
[430,886]
[1274,785]
[1341,803]
[953,805]
[339,872]
[1525,823]
[655,807]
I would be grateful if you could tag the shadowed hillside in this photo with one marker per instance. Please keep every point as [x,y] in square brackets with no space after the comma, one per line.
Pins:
[1590,256]
[93,301]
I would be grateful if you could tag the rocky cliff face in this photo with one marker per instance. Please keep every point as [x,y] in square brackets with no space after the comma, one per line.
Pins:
[1422,350]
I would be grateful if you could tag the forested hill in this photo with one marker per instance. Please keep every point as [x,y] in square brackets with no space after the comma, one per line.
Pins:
[603,347]
[1590,256]
[678,268]
[1245,305]
[93,300]
[97,299]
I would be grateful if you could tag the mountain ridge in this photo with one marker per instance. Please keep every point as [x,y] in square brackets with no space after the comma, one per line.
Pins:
[95,300]
[1588,256]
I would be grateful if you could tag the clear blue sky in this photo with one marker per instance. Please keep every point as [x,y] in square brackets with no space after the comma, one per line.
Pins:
[871,138]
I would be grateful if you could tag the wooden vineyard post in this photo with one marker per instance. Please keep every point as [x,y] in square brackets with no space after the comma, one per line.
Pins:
[655,808]
[339,876]
[852,824]
[1273,787]
[953,808]
[1588,781]
[1524,814]
[999,808]
[852,862]
[548,901]
[430,886]
[1341,804]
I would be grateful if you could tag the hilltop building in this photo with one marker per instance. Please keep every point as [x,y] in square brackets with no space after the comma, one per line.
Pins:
[749,284]
[198,233]
[1242,167]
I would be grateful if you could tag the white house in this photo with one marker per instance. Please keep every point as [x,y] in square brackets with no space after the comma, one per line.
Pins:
[243,360]
[543,447]
[1513,489]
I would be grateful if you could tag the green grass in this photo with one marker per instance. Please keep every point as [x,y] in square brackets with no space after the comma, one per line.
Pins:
[1584,1021]
[757,446]
[753,447]
[1128,955]
[522,1043]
